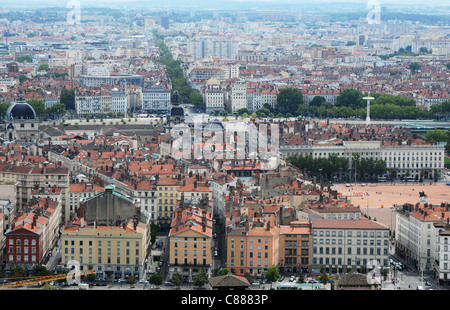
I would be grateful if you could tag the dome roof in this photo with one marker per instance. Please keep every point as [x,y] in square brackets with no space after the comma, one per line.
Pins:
[20,110]
[177,111]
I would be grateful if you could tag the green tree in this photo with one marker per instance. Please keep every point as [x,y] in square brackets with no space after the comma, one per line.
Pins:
[414,66]
[44,67]
[200,278]
[223,271]
[196,98]
[48,287]
[272,274]
[350,98]
[67,98]
[40,271]
[156,279]
[131,280]
[38,105]
[3,107]
[316,101]
[242,111]
[22,78]
[288,100]
[17,273]
[177,279]
[56,110]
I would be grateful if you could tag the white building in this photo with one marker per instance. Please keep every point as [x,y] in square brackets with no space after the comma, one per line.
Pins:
[341,245]
[214,98]
[412,160]
[238,96]
[119,101]
[416,239]
[156,99]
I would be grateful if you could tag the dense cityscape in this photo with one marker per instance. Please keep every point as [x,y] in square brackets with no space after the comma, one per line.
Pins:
[241,146]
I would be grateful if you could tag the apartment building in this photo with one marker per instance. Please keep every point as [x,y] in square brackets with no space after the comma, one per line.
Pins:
[343,245]
[406,160]
[237,98]
[99,81]
[168,195]
[253,249]
[119,101]
[23,243]
[441,259]
[108,234]
[93,101]
[32,235]
[415,236]
[156,99]
[114,252]
[28,177]
[190,242]
[214,98]
[146,192]
[295,247]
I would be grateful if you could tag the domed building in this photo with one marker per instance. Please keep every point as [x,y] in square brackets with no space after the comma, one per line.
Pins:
[177,113]
[20,110]
[20,122]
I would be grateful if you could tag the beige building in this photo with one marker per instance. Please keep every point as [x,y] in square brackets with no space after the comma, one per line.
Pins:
[28,177]
[190,242]
[109,235]
[253,249]
[112,251]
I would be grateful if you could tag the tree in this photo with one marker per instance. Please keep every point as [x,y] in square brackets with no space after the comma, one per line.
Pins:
[48,287]
[196,98]
[67,98]
[200,278]
[177,279]
[223,271]
[40,271]
[324,277]
[57,110]
[3,107]
[242,111]
[44,67]
[414,66]
[38,105]
[156,279]
[131,280]
[18,272]
[317,101]
[22,78]
[288,100]
[350,98]
[272,274]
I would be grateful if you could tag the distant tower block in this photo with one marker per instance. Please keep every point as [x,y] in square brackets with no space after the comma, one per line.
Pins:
[368,98]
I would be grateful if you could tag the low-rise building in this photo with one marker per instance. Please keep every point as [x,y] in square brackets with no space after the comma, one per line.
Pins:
[190,242]
[343,245]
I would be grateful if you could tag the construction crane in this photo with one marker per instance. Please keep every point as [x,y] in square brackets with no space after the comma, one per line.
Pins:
[40,280]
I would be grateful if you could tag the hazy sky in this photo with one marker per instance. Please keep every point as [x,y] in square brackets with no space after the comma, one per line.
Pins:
[219,4]
[62,3]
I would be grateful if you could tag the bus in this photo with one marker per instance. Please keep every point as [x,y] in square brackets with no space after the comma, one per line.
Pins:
[288,286]
[296,286]
[410,179]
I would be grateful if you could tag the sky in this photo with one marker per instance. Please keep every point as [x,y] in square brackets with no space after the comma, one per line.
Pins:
[201,3]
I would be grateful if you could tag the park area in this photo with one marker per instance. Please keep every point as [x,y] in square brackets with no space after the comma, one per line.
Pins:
[376,200]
